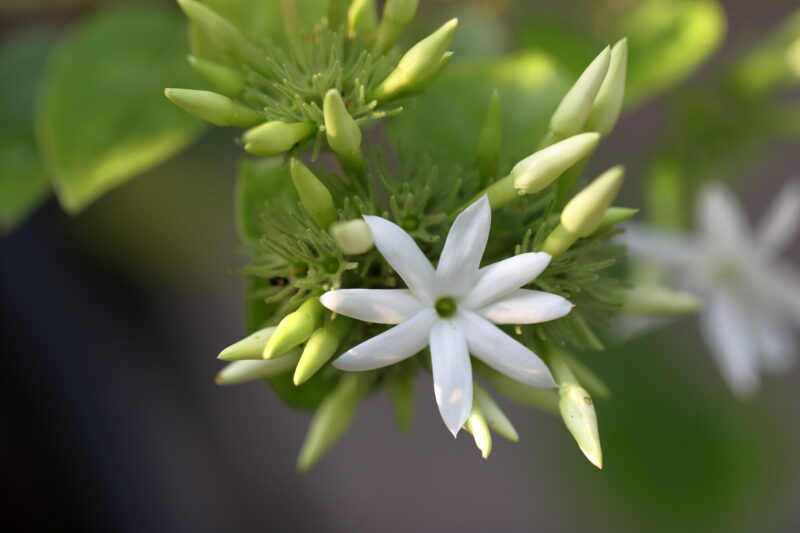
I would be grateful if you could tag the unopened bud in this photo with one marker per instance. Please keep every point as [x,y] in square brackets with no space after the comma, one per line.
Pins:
[223,79]
[490,139]
[477,425]
[344,135]
[616,215]
[400,386]
[320,348]
[214,108]
[352,237]
[655,300]
[539,170]
[362,20]
[584,213]
[495,416]
[275,137]
[570,116]
[248,348]
[294,329]
[249,370]
[224,35]
[396,16]
[314,196]
[606,108]
[577,411]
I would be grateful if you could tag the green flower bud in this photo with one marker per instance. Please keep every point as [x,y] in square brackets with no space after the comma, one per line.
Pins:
[224,80]
[362,20]
[352,237]
[584,213]
[214,108]
[275,137]
[577,411]
[400,386]
[249,370]
[396,16]
[333,417]
[616,215]
[294,329]
[654,300]
[418,65]
[225,36]
[477,425]
[490,139]
[495,416]
[248,348]
[606,108]
[320,348]
[344,135]
[314,196]
[539,170]
[559,241]
[570,116]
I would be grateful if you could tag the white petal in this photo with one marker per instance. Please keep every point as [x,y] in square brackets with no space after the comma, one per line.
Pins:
[498,350]
[503,277]
[400,251]
[727,330]
[665,247]
[781,287]
[381,306]
[781,223]
[721,218]
[391,346]
[463,250]
[777,342]
[452,373]
[526,307]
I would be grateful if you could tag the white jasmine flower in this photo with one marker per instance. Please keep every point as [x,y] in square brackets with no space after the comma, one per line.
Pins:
[752,298]
[453,309]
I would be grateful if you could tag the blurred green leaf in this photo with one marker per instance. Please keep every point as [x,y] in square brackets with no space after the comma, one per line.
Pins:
[23,180]
[102,116]
[258,181]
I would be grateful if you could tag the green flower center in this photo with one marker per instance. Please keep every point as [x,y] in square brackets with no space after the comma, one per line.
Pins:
[446,306]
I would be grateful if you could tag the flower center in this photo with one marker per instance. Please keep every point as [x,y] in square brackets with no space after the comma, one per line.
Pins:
[445,306]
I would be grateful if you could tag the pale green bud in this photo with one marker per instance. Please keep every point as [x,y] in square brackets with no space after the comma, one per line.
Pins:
[495,416]
[419,64]
[344,135]
[584,213]
[249,370]
[214,108]
[577,411]
[320,348]
[224,79]
[275,137]
[490,139]
[400,386]
[294,329]
[362,20]
[477,425]
[559,241]
[396,16]
[333,417]
[352,237]
[225,36]
[248,348]
[654,300]
[539,170]
[616,215]
[570,116]
[314,196]
[606,108]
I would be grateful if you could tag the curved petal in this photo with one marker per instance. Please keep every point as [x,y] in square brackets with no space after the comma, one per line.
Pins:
[526,307]
[781,287]
[452,373]
[380,306]
[400,251]
[463,249]
[781,223]
[498,350]
[721,218]
[391,346]
[776,339]
[503,277]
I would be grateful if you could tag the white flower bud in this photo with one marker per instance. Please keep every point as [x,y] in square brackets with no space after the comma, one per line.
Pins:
[352,237]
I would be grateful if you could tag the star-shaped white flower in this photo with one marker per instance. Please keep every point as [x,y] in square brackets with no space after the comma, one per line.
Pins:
[752,298]
[453,309]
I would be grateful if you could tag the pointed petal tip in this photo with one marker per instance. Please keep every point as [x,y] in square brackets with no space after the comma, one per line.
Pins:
[596,458]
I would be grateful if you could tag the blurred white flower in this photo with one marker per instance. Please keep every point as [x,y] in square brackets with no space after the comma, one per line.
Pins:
[752,297]
[453,309]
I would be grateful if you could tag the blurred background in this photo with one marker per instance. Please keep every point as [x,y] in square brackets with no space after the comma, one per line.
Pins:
[112,317]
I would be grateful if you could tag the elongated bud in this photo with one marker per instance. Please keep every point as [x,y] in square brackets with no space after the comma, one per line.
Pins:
[570,116]
[344,135]
[539,170]
[616,215]
[490,139]
[314,196]
[248,348]
[400,386]
[584,213]
[396,16]
[225,36]
[495,416]
[477,425]
[320,348]
[214,108]
[417,67]
[275,137]
[352,237]
[295,328]
[333,417]
[559,241]
[224,80]
[606,108]
[654,300]
[362,20]
[577,411]
[243,371]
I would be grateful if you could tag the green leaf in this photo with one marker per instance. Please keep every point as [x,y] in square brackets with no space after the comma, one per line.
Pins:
[102,116]
[258,181]
[23,180]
